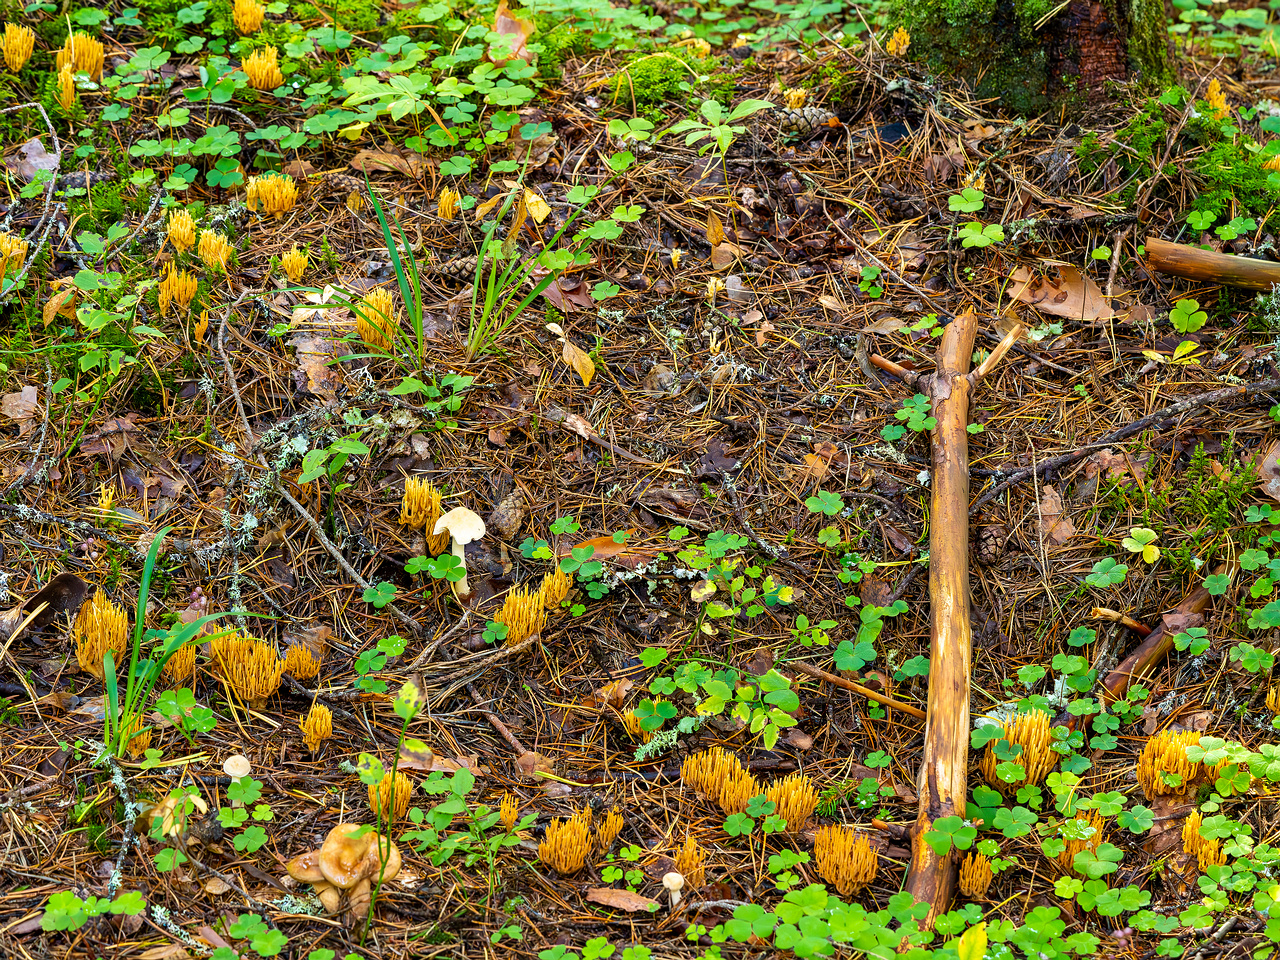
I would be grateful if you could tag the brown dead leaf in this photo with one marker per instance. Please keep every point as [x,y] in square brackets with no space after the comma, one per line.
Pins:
[885,325]
[605,547]
[113,439]
[1117,465]
[580,360]
[1055,527]
[532,763]
[799,739]
[569,296]
[20,407]
[621,899]
[834,304]
[1071,294]
[1268,470]
[611,695]
[763,331]
[814,468]
[715,229]
[30,159]
[316,372]
[62,303]
[724,254]
[515,32]
[396,160]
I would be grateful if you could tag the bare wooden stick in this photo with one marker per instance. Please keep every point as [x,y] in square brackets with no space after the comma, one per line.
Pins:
[1192,263]
[839,681]
[942,782]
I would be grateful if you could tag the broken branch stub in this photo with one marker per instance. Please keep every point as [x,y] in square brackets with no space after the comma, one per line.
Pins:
[941,783]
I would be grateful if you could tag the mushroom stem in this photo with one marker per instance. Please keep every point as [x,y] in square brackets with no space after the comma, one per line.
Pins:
[460,551]
[674,882]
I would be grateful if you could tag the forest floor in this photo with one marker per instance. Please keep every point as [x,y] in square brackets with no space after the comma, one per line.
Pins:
[702,414]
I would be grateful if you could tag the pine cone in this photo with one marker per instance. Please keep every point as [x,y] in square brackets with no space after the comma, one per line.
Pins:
[508,515]
[991,541]
[806,120]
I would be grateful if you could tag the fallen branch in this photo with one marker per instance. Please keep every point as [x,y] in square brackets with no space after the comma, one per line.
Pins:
[1192,263]
[942,781]
[839,681]
[1147,422]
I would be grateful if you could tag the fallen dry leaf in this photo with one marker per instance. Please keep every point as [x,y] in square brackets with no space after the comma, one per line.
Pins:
[604,547]
[574,355]
[763,331]
[532,763]
[611,694]
[20,407]
[31,158]
[1117,465]
[62,303]
[1055,527]
[715,230]
[1268,469]
[569,296]
[515,31]
[621,899]
[396,160]
[538,208]
[1071,294]
[315,371]
[724,254]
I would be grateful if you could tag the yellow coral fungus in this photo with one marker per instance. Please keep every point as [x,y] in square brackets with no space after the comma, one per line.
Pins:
[523,614]
[294,264]
[182,664]
[975,875]
[82,54]
[1082,832]
[608,831]
[248,16]
[691,861]
[420,508]
[66,88]
[316,726]
[447,203]
[250,667]
[178,287]
[100,626]
[391,800]
[1216,99]
[1029,731]
[898,43]
[555,587]
[19,42]
[182,230]
[1206,850]
[214,250]
[845,858]
[1163,767]
[795,798]
[300,662]
[263,69]
[274,193]
[377,319]
[138,738]
[508,812]
[794,97]
[566,845]
[738,788]
[13,253]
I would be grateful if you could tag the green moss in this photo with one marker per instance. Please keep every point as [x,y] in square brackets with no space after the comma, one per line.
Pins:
[354,16]
[556,45]
[645,82]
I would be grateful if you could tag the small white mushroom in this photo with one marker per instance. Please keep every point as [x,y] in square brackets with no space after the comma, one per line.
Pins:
[674,882]
[464,526]
[237,768]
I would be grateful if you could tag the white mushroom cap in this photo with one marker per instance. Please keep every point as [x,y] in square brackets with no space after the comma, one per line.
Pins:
[464,526]
[674,882]
[237,766]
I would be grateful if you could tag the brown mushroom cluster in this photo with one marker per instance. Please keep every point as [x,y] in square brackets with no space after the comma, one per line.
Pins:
[345,869]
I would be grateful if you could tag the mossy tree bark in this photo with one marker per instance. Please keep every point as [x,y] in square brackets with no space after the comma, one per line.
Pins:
[1037,55]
